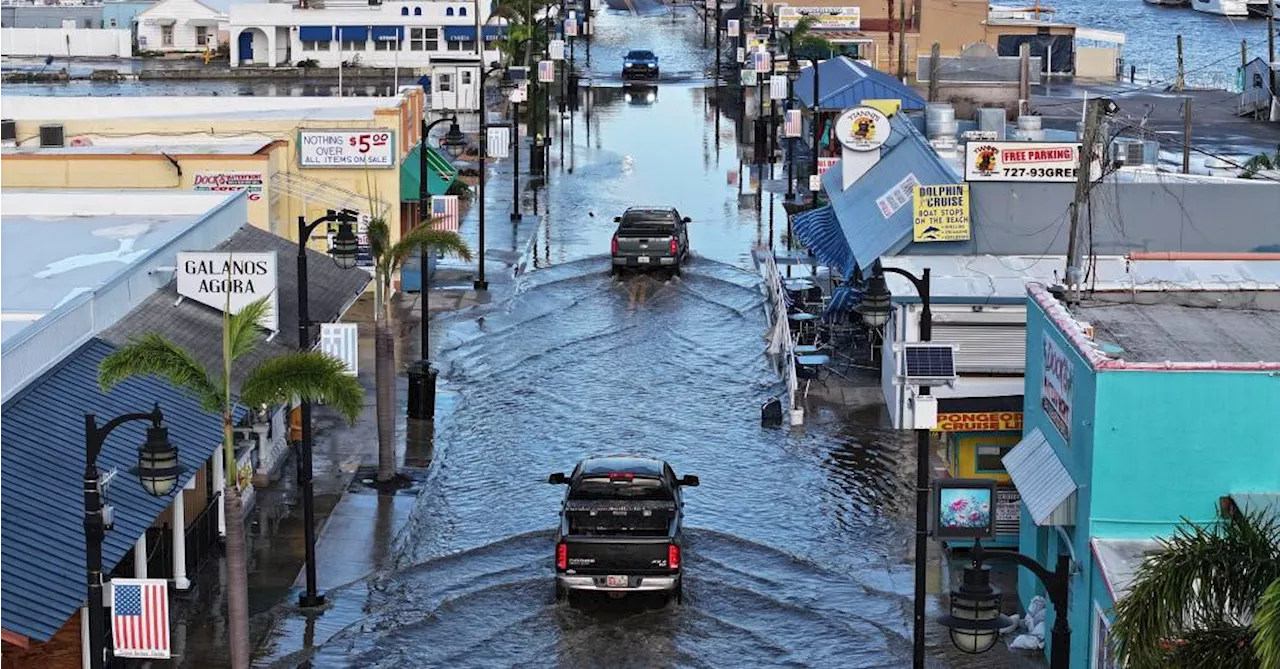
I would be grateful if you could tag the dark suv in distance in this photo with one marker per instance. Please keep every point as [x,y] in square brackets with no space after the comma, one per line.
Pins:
[650,237]
[640,64]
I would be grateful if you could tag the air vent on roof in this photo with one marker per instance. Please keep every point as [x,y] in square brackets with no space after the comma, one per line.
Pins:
[9,130]
[51,135]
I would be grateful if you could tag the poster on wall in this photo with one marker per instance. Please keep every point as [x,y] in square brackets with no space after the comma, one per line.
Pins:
[1055,391]
[229,182]
[346,148]
[898,196]
[210,278]
[1046,162]
[941,213]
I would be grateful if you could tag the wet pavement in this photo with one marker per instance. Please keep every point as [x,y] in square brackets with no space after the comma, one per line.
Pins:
[798,547]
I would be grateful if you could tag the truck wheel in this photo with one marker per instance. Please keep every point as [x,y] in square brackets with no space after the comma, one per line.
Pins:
[678,594]
[561,594]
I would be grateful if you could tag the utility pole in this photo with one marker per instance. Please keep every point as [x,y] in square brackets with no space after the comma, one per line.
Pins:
[1181,82]
[1084,181]
[1271,48]
[935,63]
[902,40]
[1186,136]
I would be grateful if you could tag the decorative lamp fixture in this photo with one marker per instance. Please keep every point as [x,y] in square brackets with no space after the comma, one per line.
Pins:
[345,246]
[875,301]
[793,68]
[506,83]
[975,620]
[454,142]
[158,466]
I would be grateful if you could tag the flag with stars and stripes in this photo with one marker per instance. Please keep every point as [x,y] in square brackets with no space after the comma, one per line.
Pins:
[762,61]
[546,71]
[140,617]
[444,212]
[792,126]
[778,87]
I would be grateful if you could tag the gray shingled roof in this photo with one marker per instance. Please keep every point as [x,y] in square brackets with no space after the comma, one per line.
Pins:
[198,328]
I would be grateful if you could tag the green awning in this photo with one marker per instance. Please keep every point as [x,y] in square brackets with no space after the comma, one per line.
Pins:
[440,174]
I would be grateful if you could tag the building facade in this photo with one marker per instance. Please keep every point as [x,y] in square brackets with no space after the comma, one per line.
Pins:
[174,26]
[1120,445]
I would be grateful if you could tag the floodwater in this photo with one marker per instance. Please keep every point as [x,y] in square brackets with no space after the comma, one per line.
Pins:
[797,547]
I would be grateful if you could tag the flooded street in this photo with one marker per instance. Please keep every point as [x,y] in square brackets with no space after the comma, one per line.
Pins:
[797,541]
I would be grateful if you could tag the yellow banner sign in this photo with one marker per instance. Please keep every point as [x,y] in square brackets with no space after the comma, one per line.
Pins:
[980,421]
[941,213]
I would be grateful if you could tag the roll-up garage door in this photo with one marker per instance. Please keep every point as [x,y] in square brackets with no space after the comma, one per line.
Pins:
[985,347]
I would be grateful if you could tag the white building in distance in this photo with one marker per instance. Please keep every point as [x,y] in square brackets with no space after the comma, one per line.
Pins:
[179,25]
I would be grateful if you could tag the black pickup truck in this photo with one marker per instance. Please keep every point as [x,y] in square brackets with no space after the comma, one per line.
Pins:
[620,527]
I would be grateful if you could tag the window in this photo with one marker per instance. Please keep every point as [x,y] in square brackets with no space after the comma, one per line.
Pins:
[166,35]
[348,45]
[113,23]
[386,45]
[202,36]
[602,487]
[469,45]
[466,78]
[446,83]
[448,11]
[404,11]
[989,458]
[424,39]
[315,46]
[462,11]
[1103,653]
[417,11]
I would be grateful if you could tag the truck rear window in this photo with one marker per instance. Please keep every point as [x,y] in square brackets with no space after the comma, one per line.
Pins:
[641,55]
[602,487]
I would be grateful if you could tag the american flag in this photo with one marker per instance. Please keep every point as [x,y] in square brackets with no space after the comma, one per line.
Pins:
[762,61]
[778,87]
[444,212]
[571,27]
[546,71]
[732,28]
[140,617]
[792,126]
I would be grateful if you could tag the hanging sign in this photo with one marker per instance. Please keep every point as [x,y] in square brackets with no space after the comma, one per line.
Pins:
[824,18]
[815,183]
[761,62]
[209,277]
[341,341]
[140,617]
[791,127]
[862,129]
[964,508]
[941,213]
[1055,390]
[732,28]
[748,77]
[546,71]
[1022,161]
[520,93]
[555,49]
[778,87]
[499,142]
[346,148]
[570,28]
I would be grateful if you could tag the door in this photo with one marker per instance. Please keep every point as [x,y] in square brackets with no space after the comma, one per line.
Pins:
[444,89]
[246,47]
[468,98]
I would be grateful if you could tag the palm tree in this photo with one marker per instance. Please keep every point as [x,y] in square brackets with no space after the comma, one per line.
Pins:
[1259,163]
[388,259]
[805,44]
[310,375]
[1201,603]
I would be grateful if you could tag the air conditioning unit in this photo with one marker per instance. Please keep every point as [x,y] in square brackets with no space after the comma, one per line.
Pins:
[51,135]
[9,130]
[1127,152]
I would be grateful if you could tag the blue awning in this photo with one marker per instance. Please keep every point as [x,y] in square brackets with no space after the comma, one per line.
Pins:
[819,231]
[843,82]
[492,33]
[459,33]
[353,33]
[843,300]
[315,33]
[388,33]
[42,536]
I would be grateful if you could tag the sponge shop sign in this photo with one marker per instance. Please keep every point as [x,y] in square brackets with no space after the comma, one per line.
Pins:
[346,148]
[210,278]
[980,421]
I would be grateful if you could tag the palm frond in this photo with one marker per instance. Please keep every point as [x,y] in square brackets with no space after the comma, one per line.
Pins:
[425,236]
[244,328]
[310,375]
[152,353]
[1266,628]
[1226,647]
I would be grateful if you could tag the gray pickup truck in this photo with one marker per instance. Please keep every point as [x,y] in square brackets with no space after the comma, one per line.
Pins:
[649,237]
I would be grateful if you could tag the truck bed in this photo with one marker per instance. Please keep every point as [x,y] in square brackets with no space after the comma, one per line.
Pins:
[609,518]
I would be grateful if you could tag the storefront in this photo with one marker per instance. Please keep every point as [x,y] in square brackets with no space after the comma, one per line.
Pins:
[976,433]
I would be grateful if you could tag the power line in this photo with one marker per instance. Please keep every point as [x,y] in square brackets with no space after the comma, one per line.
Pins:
[1182,145]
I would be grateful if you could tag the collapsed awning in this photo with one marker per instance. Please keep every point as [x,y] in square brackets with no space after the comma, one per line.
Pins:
[1044,483]
[440,174]
[819,230]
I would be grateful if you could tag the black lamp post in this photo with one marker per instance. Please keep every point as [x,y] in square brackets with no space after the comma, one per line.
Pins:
[345,246]
[505,84]
[875,310]
[158,469]
[817,124]
[975,620]
[793,74]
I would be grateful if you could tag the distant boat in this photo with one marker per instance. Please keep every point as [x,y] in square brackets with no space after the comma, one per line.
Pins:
[1222,7]
[1023,13]
[1259,8]
[1169,3]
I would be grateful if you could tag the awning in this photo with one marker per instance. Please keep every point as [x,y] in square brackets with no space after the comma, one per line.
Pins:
[353,33]
[388,33]
[43,505]
[492,33]
[844,82]
[459,33]
[1118,561]
[819,231]
[165,22]
[203,23]
[440,174]
[315,33]
[1043,481]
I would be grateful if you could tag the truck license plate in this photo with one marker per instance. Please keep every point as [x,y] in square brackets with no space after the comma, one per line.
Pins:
[643,260]
[615,581]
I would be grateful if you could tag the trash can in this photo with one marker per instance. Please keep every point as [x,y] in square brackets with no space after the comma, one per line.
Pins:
[422,390]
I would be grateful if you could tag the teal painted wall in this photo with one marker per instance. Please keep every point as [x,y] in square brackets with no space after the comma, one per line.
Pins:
[1169,444]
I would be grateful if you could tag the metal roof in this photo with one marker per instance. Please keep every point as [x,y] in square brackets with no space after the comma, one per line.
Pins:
[1041,479]
[198,328]
[104,148]
[1119,559]
[42,536]
[1205,328]
[844,82]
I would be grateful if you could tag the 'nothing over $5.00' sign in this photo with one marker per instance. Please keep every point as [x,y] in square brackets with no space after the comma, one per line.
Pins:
[347,148]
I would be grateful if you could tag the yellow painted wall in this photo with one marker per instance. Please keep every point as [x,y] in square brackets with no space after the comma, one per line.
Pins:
[962,451]
[117,172]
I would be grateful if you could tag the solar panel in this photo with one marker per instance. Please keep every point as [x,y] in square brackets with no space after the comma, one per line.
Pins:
[930,361]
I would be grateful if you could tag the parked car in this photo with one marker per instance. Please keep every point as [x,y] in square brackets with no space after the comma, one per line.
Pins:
[620,527]
[640,64]
[650,237]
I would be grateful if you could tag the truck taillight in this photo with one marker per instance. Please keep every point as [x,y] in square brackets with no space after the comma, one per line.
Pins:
[613,245]
[673,557]
[675,247]
[562,556]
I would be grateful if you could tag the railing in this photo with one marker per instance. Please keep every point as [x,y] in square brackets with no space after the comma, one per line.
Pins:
[780,342]
[202,536]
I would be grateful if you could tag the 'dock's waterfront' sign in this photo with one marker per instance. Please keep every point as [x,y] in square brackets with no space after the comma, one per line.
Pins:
[208,278]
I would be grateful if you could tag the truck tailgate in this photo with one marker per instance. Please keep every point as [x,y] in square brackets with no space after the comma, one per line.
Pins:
[645,241]
[618,555]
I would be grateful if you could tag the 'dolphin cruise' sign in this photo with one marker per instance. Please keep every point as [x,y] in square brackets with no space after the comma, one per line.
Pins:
[209,278]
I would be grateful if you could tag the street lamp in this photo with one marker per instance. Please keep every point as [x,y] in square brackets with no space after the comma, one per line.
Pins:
[344,254]
[793,74]
[975,620]
[158,470]
[505,84]
[875,311]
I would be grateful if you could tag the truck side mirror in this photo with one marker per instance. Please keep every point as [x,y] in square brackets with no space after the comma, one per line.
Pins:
[689,481]
[557,479]
[688,220]
[617,219]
